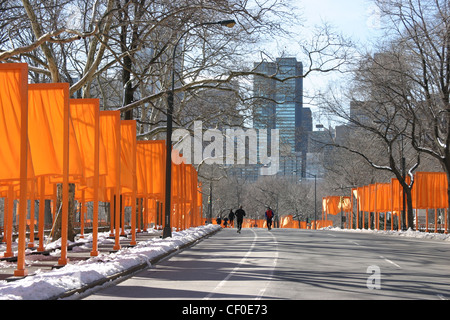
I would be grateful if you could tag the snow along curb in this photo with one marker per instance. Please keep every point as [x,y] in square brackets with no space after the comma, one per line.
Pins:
[134,269]
[78,277]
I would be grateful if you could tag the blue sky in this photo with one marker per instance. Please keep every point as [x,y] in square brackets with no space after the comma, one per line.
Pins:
[357,19]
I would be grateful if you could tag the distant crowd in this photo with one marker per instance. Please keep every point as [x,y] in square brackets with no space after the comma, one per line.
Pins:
[238,217]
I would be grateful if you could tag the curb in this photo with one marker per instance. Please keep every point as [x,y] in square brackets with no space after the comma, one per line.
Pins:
[131,270]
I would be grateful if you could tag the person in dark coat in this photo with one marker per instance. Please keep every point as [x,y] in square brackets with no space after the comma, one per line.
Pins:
[239,214]
[231,217]
[225,222]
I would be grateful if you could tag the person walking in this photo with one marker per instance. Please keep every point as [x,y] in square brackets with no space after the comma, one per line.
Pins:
[231,218]
[239,214]
[269,217]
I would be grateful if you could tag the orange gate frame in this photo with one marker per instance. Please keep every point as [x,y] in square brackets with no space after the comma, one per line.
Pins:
[48,138]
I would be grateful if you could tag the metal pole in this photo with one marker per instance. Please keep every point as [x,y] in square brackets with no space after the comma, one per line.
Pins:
[403,198]
[210,203]
[315,202]
[167,231]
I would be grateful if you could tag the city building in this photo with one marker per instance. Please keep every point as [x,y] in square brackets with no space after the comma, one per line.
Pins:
[279,105]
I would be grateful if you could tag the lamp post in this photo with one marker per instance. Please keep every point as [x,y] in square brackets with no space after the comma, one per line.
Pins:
[167,231]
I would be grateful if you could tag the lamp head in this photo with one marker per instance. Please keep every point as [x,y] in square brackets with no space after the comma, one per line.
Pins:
[227,23]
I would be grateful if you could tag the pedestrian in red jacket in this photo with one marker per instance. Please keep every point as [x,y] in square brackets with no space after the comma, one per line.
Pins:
[269,217]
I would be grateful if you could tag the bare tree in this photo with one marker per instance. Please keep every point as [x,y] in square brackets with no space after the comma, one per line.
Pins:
[377,123]
[121,51]
[420,47]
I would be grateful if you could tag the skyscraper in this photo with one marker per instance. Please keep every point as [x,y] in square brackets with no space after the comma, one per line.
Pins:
[279,95]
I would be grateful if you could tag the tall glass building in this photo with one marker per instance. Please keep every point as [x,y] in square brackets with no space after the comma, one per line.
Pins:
[279,105]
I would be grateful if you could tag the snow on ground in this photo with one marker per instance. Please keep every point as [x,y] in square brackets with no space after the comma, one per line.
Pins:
[48,284]
[409,233]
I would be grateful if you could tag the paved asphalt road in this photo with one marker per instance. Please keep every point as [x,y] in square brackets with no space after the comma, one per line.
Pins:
[295,264]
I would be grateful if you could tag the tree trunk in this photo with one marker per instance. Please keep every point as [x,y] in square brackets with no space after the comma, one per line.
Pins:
[70,228]
[37,30]
[409,207]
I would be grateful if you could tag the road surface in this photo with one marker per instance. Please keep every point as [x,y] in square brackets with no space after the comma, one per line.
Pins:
[295,264]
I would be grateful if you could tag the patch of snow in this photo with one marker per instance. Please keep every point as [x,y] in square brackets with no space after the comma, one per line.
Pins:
[45,285]
[408,233]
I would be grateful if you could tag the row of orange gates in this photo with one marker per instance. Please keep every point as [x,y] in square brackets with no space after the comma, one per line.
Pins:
[363,207]
[48,139]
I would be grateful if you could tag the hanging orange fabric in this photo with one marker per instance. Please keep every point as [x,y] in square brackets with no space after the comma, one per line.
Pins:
[383,197]
[13,102]
[175,195]
[366,199]
[183,187]
[47,104]
[85,117]
[89,193]
[420,189]
[430,181]
[86,120]
[14,145]
[143,170]
[127,155]
[396,196]
[10,125]
[443,189]
[189,195]
[158,157]
[438,190]
[110,133]
[151,211]
[187,199]
[192,195]
[49,112]
[359,193]
[175,181]
[332,205]
[344,204]
[151,168]
[372,195]
[197,214]
[286,221]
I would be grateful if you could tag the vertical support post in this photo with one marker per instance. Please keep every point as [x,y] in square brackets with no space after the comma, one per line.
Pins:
[94,251]
[63,260]
[21,271]
[41,214]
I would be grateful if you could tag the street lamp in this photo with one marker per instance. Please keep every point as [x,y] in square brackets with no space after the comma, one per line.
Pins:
[167,232]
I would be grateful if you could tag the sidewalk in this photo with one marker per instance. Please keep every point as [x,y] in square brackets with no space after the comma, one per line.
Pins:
[84,272]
